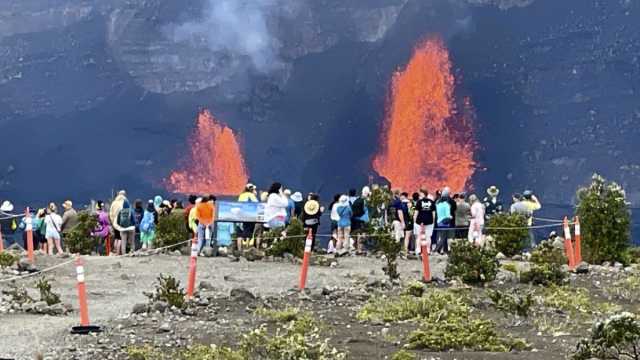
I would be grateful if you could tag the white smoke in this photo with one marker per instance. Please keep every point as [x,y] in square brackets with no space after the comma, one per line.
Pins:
[236,28]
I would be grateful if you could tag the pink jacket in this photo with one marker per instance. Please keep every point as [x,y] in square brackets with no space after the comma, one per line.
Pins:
[103,227]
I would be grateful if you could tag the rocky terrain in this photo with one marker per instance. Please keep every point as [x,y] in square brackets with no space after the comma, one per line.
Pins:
[235,297]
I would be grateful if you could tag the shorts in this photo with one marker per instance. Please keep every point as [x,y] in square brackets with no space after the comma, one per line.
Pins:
[357,225]
[245,230]
[52,234]
[334,225]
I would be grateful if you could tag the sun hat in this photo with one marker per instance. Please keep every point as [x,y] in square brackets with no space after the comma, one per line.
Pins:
[250,186]
[311,207]
[493,191]
[6,206]
[297,196]
[344,199]
[366,191]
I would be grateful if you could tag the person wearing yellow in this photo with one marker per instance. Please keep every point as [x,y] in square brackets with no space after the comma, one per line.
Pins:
[245,230]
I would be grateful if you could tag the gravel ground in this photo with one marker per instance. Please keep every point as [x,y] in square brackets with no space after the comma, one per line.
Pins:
[115,284]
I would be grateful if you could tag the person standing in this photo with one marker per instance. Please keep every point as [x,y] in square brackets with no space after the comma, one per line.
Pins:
[114,210]
[298,203]
[445,210]
[275,212]
[245,230]
[492,204]
[333,208]
[360,217]
[205,216]
[103,227]
[463,216]
[291,207]
[148,226]
[311,214]
[424,217]
[476,224]
[344,224]
[53,222]
[69,218]
[127,225]
[138,214]
[533,205]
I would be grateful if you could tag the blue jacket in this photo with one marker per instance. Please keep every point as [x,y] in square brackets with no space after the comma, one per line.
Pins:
[345,213]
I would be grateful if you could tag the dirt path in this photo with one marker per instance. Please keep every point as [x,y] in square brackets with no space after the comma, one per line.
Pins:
[114,285]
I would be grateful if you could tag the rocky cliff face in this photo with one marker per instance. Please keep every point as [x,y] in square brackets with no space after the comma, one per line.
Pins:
[101,94]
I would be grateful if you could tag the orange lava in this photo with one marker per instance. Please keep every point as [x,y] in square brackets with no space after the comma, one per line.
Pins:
[426,142]
[215,165]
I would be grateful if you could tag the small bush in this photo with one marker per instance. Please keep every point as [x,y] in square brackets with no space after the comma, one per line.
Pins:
[213,352]
[472,264]
[414,288]
[46,294]
[515,303]
[391,249]
[544,274]
[146,352]
[409,307]
[171,230]
[404,355]
[292,244]
[573,301]
[79,239]
[280,316]
[7,259]
[605,221]
[168,290]
[617,337]
[546,253]
[510,242]
[510,267]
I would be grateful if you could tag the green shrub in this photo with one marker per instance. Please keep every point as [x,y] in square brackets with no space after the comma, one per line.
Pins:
[379,203]
[46,294]
[510,267]
[512,302]
[213,352]
[414,288]
[404,355]
[471,263]
[391,249]
[168,290]
[79,239]
[408,307]
[544,274]
[7,259]
[292,244]
[171,230]
[605,221]
[632,255]
[462,334]
[281,316]
[617,337]
[146,352]
[546,253]
[510,242]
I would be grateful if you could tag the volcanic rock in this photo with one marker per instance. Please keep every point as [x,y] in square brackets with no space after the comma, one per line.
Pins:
[242,294]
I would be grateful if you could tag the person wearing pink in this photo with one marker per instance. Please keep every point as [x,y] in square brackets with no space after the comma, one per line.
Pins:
[476,225]
[102,228]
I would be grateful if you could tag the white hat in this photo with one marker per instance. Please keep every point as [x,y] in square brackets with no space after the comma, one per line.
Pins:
[287,192]
[7,206]
[297,196]
[366,191]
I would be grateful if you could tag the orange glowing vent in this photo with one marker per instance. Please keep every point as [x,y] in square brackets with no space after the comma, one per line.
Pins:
[425,141]
[215,164]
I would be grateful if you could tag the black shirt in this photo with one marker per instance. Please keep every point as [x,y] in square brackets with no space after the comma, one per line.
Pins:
[425,208]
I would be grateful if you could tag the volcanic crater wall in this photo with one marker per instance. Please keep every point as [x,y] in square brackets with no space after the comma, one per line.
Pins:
[99,95]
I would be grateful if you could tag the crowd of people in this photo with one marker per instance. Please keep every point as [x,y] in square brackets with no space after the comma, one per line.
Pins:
[437,217]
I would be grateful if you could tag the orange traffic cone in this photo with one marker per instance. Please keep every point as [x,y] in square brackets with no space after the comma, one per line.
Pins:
[578,249]
[426,271]
[568,248]
[305,260]
[84,327]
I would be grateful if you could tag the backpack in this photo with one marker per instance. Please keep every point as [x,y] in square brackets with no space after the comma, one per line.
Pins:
[443,211]
[124,218]
[357,209]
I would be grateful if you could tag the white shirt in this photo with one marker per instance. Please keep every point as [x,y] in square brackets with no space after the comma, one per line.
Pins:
[276,206]
[53,222]
[334,212]
[477,213]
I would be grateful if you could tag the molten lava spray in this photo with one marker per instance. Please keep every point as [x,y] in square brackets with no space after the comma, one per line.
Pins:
[425,141]
[215,165]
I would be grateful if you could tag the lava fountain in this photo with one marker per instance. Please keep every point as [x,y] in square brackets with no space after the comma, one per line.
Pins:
[425,141]
[215,164]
